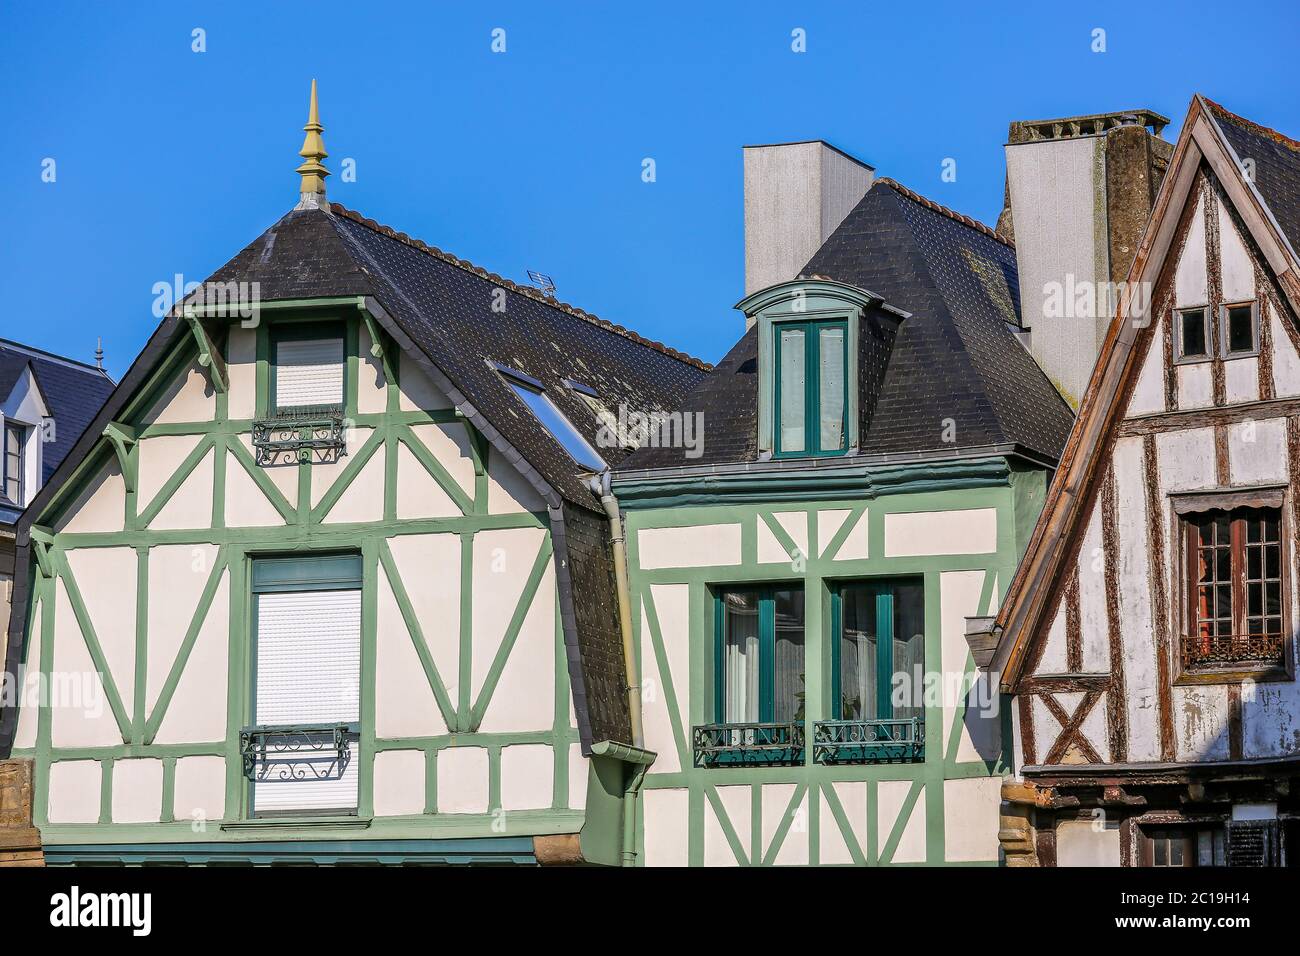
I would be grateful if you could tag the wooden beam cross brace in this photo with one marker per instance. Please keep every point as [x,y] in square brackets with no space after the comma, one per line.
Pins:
[209,357]
[42,538]
[122,438]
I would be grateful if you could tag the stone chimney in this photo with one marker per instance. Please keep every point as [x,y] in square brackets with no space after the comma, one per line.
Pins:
[796,194]
[1079,193]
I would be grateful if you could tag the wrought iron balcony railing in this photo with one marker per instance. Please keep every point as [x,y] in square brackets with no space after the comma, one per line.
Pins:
[1233,650]
[300,434]
[297,752]
[869,741]
[758,744]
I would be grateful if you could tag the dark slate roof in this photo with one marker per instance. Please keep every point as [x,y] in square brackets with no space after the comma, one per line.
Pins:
[955,357]
[1276,161]
[440,309]
[451,311]
[73,393]
[447,308]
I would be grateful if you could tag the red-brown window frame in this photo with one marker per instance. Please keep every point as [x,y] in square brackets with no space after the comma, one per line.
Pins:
[1189,617]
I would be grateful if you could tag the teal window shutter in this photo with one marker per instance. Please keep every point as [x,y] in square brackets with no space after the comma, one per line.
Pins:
[811,382]
[760,658]
[878,638]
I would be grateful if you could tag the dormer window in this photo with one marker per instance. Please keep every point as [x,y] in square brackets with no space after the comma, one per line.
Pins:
[13,463]
[811,390]
[307,364]
[811,364]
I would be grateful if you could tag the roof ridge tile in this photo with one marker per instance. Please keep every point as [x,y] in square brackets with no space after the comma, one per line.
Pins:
[1280,138]
[466,265]
[943,210]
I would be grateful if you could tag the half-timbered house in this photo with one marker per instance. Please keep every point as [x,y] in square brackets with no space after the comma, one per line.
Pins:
[870,458]
[1149,635]
[324,582]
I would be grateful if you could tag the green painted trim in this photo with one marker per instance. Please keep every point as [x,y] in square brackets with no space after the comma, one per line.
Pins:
[178,477]
[522,607]
[416,633]
[96,650]
[344,480]
[819,574]
[187,646]
[811,331]
[209,355]
[264,484]
[845,479]
[436,470]
[122,438]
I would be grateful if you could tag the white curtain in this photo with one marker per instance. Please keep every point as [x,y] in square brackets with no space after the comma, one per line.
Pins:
[791,399]
[740,658]
[831,385]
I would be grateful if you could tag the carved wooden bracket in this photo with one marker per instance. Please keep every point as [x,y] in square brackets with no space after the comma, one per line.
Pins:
[209,357]
[122,438]
[42,538]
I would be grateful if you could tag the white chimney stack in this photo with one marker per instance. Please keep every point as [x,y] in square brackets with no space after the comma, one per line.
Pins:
[796,195]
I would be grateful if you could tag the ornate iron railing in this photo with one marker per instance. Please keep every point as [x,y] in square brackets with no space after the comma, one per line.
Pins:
[869,741]
[300,434]
[296,752]
[728,745]
[1233,650]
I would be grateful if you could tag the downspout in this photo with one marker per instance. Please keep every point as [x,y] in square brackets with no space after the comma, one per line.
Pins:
[638,758]
[640,761]
[600,487]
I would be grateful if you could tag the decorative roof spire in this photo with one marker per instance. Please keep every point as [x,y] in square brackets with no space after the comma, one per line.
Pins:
[313,151]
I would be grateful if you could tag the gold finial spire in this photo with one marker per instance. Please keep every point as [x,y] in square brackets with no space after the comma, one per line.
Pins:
[313,151]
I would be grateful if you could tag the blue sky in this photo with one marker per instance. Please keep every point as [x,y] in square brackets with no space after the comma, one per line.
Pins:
[170,161]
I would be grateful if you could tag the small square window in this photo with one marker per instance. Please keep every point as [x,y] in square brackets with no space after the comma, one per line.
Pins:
[1239,328]
[1193,340]
[307,366]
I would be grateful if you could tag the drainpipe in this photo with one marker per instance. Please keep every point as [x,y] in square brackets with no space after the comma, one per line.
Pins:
[640,761]
[600,487]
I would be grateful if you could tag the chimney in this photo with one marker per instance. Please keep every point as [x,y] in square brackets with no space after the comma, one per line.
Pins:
[1078,196]
[796,194]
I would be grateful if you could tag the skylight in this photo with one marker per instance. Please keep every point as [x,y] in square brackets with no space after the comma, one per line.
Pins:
[561,429]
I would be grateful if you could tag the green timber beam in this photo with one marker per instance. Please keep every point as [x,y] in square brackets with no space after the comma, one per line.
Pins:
[42,538]
[209,355]
[123,437]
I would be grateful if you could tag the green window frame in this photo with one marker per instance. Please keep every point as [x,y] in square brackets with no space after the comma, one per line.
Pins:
[765,598]
[300,331]
[13,464]
[274,575]
[887,597]
[814,443]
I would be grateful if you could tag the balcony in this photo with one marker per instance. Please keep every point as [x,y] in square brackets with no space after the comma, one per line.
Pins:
[1234,652]
[292,752]
[869,741]
[748,745]
[294,435]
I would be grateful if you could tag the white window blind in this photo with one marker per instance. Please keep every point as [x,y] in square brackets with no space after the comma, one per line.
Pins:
[308,673]
[309,372]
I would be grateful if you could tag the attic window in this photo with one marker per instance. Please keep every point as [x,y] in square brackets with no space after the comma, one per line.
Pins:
[811,360]
[1193,334]
[307,366]
[533,394]
[1240,330]
[13,462]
